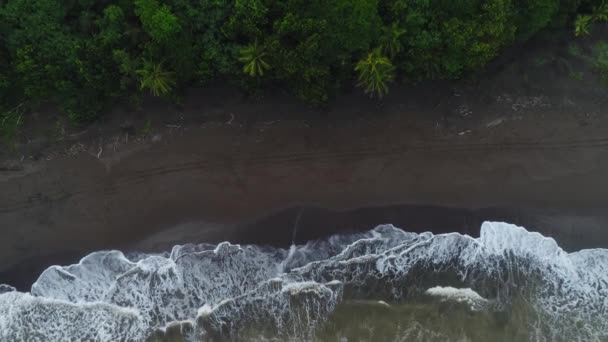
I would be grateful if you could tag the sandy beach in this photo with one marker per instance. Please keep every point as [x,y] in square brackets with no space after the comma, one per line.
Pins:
[440,157]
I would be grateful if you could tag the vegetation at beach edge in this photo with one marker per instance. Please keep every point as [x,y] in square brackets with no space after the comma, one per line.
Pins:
[83,55]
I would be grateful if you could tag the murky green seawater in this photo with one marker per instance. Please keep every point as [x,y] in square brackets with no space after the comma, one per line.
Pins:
[424,320]
[445,321]
[427,318]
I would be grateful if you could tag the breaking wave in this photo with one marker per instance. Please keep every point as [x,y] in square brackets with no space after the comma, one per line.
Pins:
[386,284]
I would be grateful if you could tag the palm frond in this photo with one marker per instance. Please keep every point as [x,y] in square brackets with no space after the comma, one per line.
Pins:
[253,56]
[375,71]
[154,78]
[390,40]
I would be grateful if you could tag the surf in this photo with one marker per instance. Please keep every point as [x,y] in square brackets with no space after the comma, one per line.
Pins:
[507,284]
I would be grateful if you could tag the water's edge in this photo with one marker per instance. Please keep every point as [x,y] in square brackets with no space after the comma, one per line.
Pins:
[572,230]
[506,284]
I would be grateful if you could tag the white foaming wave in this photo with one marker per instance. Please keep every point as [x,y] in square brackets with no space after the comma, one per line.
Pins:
[165,290]
[382,236]
[6,288]
[570,294]
[292,310]
[161,288]
[24,317]
[498,237]
[466,295]
[228,287]
[87,281]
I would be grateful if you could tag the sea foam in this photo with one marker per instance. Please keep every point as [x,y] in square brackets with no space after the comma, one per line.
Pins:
[227,291]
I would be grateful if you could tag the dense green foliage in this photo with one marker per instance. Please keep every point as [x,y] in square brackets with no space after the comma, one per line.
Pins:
[84,54]
[601,60]
[583,22]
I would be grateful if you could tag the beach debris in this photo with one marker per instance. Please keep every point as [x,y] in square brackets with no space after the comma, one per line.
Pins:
[75,149]
[464,132]
[76,135]
[495,122]
[156,138]
[464,111]
[568,102]
[174,126]
[115,144]
[586,119]
[10,165]
[504,98]
[229,122]
[100,152]
[269,122]
[529,102]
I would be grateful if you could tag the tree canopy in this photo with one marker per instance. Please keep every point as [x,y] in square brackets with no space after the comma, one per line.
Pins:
[83,54]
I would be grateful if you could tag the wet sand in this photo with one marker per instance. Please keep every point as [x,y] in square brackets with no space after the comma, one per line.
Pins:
[572,231]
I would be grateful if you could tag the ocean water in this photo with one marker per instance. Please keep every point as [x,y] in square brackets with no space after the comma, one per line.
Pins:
[383,285]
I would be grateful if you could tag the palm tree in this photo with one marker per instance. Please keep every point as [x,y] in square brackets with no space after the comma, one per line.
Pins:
[390,40]
[375,71]
[582,24]
[253,56]
[154,78]
[600,12]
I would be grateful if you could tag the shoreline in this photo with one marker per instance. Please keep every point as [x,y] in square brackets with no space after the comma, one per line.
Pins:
[572,232]
[527,139]
[75,204]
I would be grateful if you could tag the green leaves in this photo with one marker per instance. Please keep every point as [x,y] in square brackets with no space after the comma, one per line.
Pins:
[247,18]
[81,54]
[446,39]
[157,20]
[600,12]
[531,16]
[112,25]
[583,22]
[158,81]
[253,56]
[390,40]
[601,60]
[10,122]
[582,25]
[352,25]
[375,72]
